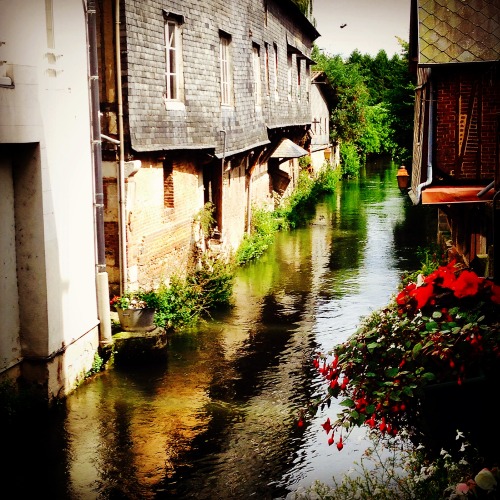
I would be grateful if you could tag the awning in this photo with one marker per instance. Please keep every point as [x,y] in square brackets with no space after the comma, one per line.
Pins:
[436,195]
[288,149]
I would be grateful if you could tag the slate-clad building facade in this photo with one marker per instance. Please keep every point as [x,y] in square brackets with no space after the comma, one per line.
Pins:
[207,92]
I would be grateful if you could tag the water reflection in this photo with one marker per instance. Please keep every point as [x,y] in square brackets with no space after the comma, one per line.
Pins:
[217,418]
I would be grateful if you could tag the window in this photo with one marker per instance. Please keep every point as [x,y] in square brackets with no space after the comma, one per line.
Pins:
[256,74]
[289,63]
[275,46]
[168,184]
[299,65]
[173,58]
[266,71]
[49,23]
[225,69]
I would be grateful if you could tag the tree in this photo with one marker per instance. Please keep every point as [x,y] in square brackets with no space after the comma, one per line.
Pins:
[373,107]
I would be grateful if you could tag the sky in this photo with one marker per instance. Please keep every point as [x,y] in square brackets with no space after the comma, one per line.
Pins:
[371,25]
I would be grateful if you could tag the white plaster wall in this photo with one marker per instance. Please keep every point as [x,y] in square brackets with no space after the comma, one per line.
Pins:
[49,105]
[320,114]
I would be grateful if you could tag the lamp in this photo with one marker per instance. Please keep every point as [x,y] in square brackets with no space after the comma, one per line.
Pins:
[403,178]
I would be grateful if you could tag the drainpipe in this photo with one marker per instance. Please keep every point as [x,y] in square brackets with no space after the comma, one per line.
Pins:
[223,131]
[102,283]
[429,144]
[496,241]
[122,228]
[249,195]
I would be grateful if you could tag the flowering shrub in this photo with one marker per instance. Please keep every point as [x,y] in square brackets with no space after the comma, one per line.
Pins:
[135,300]
[443,329]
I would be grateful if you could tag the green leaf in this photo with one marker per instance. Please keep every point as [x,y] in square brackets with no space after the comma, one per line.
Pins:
[429,376]
[431,325]
[392,372]
[347,402]
[416,349]
[371,347]
[437,315]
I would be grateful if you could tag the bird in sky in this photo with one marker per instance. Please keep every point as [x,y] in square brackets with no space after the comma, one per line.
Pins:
[343,25]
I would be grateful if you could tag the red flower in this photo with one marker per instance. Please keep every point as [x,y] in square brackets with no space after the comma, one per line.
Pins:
[371,421]
[330,440]
[494,290]
[327,425]
[467,284]
[340,445]
[423,294]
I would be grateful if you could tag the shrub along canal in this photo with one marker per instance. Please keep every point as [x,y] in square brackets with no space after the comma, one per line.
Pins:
[217,418]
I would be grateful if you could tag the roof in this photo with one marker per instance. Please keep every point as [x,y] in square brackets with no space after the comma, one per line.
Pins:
[457,31]
[288,149]
[320,79]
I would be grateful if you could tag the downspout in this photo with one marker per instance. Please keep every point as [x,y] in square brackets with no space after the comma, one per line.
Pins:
[430,144]
[122,227]
[249,196]
[102,282]
[223,131]
[496,241]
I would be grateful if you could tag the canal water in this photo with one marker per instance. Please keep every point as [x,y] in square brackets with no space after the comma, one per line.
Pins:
[217,418]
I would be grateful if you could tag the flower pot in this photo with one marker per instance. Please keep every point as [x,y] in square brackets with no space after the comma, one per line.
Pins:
[136,320]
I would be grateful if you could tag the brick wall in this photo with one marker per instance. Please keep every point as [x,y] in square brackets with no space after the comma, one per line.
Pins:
[467,108]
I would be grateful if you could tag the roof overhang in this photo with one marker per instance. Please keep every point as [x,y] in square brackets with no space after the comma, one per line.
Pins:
[437,195]
[288,149]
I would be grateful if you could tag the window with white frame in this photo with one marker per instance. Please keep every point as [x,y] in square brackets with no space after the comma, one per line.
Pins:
[173,57]
[257,74]
[225,69]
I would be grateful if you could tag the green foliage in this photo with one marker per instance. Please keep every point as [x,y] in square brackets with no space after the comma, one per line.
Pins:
[97,365]
[264,225]
[431,257]
[136,299]
[349,160]
[305,6]
[184,301]
[394,469]
[374,103]
[327,179]
[290,213]
[441,331]
[206,218]
[304,162]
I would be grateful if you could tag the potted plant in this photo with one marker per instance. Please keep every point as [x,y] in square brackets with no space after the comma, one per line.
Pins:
[442,331]
[136,309]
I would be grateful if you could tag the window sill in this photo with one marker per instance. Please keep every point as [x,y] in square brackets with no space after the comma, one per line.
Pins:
[174,105]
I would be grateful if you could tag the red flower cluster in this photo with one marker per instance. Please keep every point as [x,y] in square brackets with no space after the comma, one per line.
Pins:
[466,284]
[441,330]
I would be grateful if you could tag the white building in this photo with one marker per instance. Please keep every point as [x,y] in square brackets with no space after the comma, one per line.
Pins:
[50,330]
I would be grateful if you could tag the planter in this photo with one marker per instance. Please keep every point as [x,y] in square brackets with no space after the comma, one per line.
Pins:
[136,320]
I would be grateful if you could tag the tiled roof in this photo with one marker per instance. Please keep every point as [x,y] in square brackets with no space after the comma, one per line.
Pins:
[460,31]
[288,149]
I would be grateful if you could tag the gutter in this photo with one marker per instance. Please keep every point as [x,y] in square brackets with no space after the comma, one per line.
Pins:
[122,228]
[496,241]
[102,281]
[430,145]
